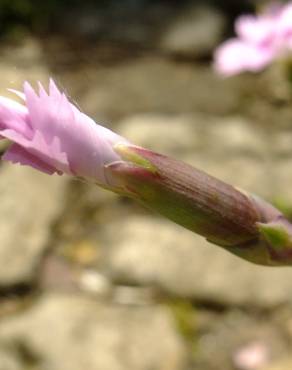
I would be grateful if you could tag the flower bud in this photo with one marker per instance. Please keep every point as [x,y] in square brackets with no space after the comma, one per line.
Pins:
[244,224]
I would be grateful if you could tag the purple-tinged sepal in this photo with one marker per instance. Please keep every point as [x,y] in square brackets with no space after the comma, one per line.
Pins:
[243,224]
[277,237]
[187,196]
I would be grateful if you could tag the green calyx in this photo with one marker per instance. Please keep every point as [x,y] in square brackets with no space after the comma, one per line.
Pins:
[276,235]
[241,223]
[185,195]
[129,154]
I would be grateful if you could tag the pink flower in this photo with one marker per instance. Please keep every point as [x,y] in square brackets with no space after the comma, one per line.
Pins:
[253,356]
[285,26]
[52,135]
[236,56]
[260,40]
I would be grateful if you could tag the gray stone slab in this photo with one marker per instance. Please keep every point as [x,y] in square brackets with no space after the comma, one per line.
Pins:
[73,332]
[29,203]
[151,251]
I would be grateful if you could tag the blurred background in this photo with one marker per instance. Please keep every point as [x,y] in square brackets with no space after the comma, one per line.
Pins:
[92,281]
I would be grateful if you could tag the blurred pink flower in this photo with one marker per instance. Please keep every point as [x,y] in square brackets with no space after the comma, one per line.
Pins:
[52,135]
[253,356]
[260,40]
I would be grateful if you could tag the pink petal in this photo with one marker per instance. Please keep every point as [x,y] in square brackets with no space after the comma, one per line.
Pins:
[285,23]
[17,154]
[51,134]
[49,154]
[256,30]
[18,93]
[88,146]
[13,105]
[14,116]
[53,90]
[260,40]
[235,56]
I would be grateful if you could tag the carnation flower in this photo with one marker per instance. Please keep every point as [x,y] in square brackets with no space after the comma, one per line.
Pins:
[260,40]
[50,134]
